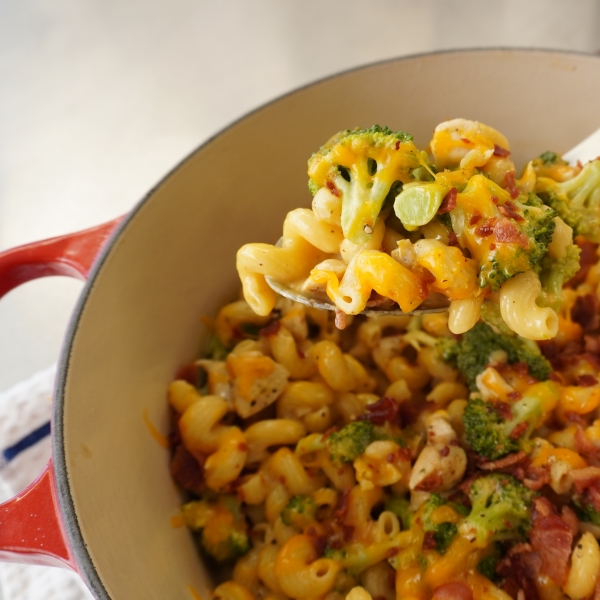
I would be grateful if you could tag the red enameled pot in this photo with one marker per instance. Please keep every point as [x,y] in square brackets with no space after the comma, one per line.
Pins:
[104,504]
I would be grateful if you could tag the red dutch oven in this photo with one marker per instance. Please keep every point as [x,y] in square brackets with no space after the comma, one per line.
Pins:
[104,504]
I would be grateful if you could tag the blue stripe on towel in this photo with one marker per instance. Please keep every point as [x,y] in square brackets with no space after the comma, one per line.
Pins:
[29,440]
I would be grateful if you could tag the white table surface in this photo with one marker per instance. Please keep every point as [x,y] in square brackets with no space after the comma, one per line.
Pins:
[100,98]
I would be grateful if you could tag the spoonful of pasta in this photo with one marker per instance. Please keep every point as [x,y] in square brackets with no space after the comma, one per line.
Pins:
[395,230]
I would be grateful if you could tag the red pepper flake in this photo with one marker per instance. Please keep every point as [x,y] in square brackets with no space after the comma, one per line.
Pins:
[449,202]
[586,380]
[475,219]
[397,145]
[486,228]
[466,141]
[518,431]
[501,152]
[333,189]
[445,451]
[452,239]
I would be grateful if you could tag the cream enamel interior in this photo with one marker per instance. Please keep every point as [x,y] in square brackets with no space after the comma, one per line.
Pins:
[175,261]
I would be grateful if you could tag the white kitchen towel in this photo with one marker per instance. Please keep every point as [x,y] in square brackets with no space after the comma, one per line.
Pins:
[25,411]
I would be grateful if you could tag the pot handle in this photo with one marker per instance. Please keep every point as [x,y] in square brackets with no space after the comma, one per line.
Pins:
[31,530]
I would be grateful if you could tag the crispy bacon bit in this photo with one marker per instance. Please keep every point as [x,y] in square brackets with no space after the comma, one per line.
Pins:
[585,312]
[584,478]
[454,590]
[397,145]
[431,483]
[510,185]
[503,409]
[506,231]
[445,451]
[486,228]
[520,569]
[452,239]
[449,202]
[501,152]
[429,541]
[570,518]
[508,209]
[475,219]
[507,461]
[587,259]
[187,471]
[319,542]
[343,504]
[385,410]
[494,199]
[271,328]
[391,552]
[535,478]
[518,431]
[331,187]
[586,380]
[592,343]
[514,396]
[551,538]
[554,376]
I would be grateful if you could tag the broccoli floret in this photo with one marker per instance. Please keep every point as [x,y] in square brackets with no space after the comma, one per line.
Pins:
[222,527]
[487,567]
[362,166]
[577,200]
[477,344]
[351,441]
[549,158]
[443,533]
[500,510]
[492,435]
[556,272]
[299,512]
[586,511]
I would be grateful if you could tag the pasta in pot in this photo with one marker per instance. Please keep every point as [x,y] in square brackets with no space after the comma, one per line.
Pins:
[427,457]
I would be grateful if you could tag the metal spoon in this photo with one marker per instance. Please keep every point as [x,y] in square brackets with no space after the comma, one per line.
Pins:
[586,150]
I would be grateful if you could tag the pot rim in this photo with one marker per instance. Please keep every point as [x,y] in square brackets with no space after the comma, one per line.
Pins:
[85,564]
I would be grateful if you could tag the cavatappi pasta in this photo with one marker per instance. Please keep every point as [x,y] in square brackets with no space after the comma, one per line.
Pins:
[394,460]
[392,226]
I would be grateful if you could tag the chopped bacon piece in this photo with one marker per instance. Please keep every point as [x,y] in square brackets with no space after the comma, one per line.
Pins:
[592,343]
[508,209]
[570,518]
[586,380]
[494,199]
[397,146]
[501,152]
[520,569]
[331,187]
[187,471]
[551,538]
[584,478]
[505,231]
[510,185]
[518,431]
[271,328]
[343,504]
[385,410]
[452,239]
[503,409]
[431,483]
[502,463]
[449,202]
[445,451]
[486,228]
[585,312]
[475,219]
[429,541]
[453,590]
[514,396]
[535,478]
